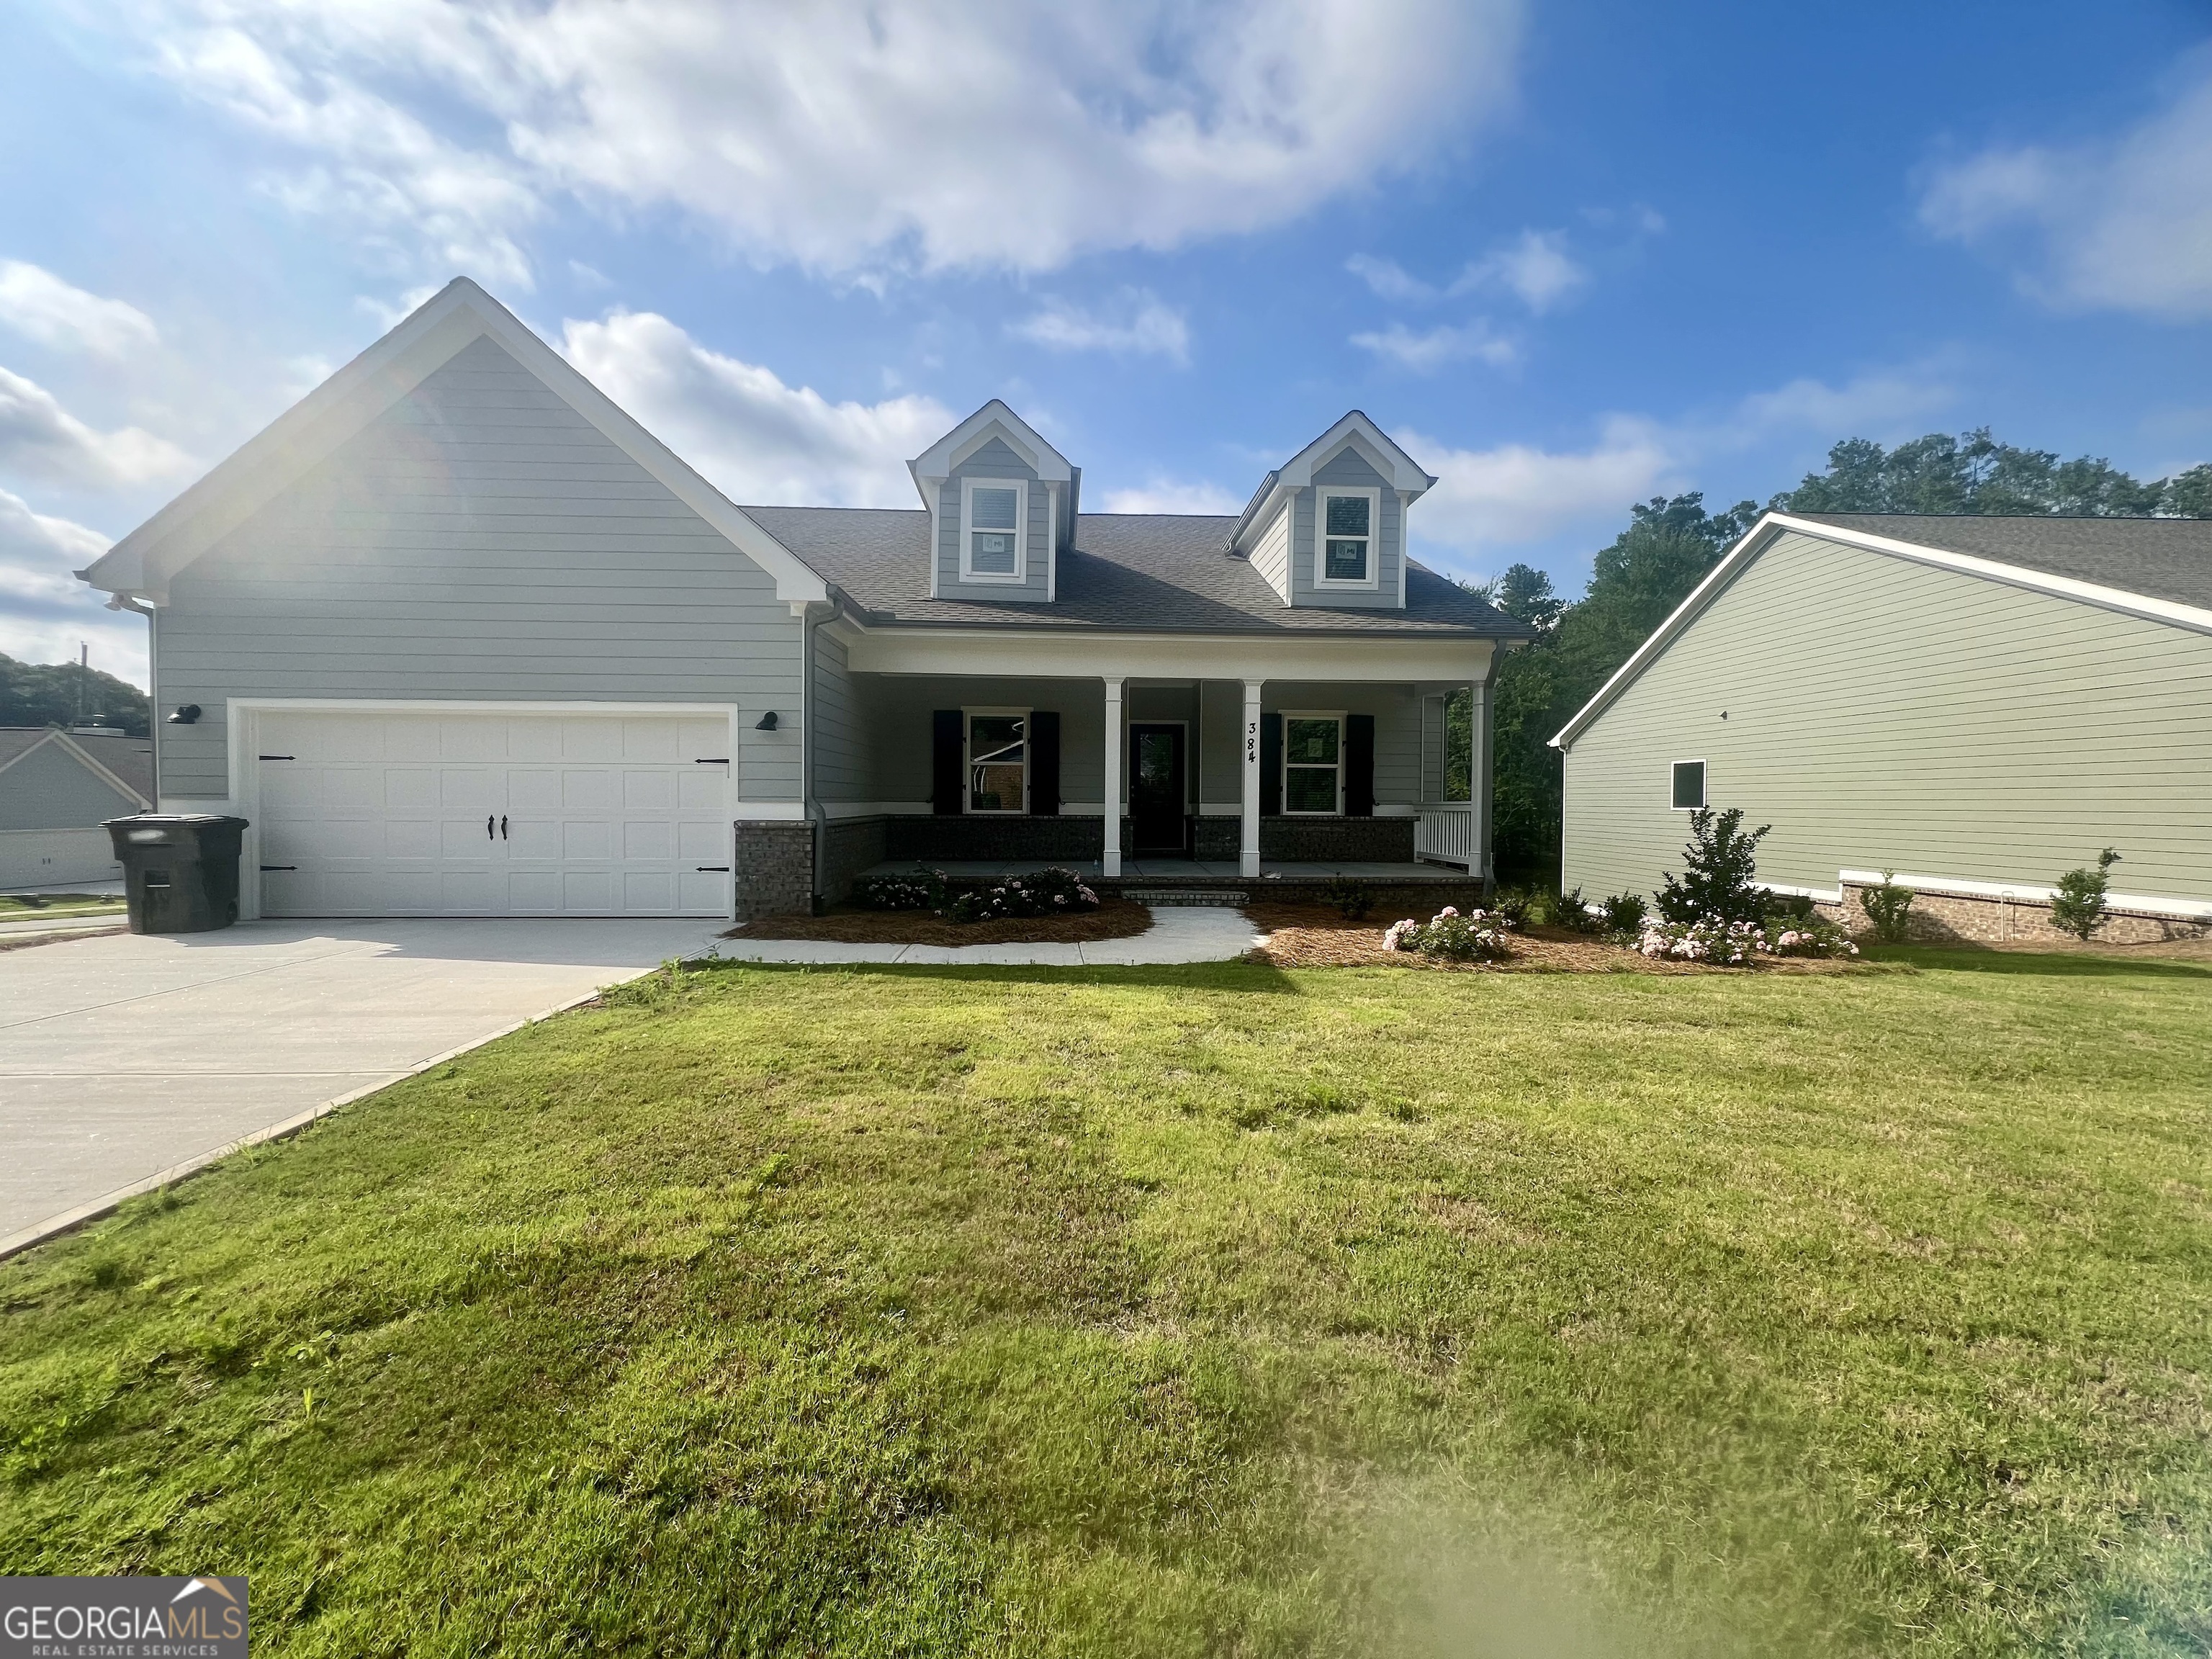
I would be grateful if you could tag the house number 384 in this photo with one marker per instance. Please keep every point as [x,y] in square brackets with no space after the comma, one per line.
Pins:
[1252,743]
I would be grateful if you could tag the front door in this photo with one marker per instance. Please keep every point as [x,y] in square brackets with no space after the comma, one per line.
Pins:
[1157,793]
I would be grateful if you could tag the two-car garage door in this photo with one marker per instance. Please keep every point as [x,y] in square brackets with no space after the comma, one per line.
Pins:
[464,814]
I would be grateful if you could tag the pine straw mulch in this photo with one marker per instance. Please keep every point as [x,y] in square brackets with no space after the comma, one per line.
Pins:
[1315,936]
[1115,918]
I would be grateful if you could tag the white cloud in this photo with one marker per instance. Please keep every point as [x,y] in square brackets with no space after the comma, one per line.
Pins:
[1140,324]
[41,306]
[1534,267]
[1167,496]
[1390,280]
[1516,494]
[44,611]
[40,438]
[1431,348]
[758,439]
[2122,224]
[848,134]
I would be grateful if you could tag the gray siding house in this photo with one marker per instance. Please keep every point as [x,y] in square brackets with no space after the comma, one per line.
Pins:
[57,789]
[1976,703]
[459,637]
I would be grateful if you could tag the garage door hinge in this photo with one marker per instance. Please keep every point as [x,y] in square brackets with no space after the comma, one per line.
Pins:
[720,760]
[267,868]
[275,757]
[722,869]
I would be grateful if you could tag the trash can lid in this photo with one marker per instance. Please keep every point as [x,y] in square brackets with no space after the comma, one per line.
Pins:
[159,820]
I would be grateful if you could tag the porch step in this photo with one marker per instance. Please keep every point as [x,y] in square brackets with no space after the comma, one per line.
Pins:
[1213,898]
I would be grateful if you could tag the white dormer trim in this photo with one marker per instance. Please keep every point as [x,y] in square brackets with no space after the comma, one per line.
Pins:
[994,420]
[1397,466]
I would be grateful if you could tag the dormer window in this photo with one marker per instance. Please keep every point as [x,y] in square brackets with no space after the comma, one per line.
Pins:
[992,511]
[1346,554]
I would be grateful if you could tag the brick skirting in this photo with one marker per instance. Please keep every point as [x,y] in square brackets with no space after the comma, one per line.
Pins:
[774,868]
[953,837]
[1940,916]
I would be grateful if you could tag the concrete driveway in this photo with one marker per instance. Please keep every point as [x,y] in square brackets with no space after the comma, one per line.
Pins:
[123,1058]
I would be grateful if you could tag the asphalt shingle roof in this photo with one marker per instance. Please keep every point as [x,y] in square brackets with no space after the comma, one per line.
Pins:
[1151,573]
[2166,559]
[131,759]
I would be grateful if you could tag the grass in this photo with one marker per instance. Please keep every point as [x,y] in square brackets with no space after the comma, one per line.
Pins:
[47,906]
[1215,1311]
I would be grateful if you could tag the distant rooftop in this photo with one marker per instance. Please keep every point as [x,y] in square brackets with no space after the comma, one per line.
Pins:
[2166,559]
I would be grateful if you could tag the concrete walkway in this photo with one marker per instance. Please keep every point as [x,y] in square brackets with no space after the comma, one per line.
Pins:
[127,1059]
[1178,934]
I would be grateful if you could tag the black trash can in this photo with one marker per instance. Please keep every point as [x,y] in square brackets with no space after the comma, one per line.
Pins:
[179,870]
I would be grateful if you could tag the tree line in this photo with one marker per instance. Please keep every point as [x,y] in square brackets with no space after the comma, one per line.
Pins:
[1672,542]
[66,693]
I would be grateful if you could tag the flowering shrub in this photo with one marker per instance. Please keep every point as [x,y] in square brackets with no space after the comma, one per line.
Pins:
[1041,893]
[1738,943]
[923,891]
[1478,936]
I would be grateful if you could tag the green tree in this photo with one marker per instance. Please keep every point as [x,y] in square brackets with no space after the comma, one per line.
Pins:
[60,693]
[1974,472]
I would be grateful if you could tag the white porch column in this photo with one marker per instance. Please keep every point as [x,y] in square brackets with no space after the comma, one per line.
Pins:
[1116,739]
[1478,777]
[1248,855]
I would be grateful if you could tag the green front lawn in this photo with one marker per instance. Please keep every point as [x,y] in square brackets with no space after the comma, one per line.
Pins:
[1185,1311]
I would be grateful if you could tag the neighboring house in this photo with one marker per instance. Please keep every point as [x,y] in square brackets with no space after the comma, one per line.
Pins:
[1978,704]
[57,789]
[461,637]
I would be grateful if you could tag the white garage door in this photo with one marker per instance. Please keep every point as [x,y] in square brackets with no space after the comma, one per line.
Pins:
[493,815]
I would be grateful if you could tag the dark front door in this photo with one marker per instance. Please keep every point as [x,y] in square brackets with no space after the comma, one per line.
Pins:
[1155,790]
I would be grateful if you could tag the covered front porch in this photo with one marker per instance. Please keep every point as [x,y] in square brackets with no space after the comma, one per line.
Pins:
[982,761]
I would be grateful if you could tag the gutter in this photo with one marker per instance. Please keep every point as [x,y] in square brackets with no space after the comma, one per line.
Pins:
[124,602]
[816,816]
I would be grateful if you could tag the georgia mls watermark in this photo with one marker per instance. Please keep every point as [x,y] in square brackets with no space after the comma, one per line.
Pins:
[201,1618]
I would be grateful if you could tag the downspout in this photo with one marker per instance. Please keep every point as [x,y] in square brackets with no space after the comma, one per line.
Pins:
[812,807]
[124,602]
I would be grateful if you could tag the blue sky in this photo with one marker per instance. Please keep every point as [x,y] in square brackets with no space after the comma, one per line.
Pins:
[1573,254]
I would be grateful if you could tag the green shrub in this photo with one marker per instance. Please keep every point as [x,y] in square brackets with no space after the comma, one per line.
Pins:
[1054,892]
[1478,936]
[1718,870]
[1350,899]
[1886,907]
[922,891]
[1625,913]
[1515,904]
[2078,907]
[1572,911]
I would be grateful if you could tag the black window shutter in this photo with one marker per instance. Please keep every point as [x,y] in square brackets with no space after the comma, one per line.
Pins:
[1359,766]
[1044,763]
[1271,765]
[946,763]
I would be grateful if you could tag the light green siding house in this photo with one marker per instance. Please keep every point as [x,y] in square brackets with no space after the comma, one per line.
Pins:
[1977,703]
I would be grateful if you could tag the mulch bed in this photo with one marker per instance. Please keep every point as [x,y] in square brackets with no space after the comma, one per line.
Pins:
[1313,936]
[1116,917]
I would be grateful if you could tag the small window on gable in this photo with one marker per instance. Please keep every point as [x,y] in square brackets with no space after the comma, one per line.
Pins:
[1689,785]
[992,515]
[1346,554]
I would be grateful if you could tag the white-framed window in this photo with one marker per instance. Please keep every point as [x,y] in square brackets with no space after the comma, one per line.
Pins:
[1313,763]
[1689,785]
[995,516]
[1347,535]
[998,760]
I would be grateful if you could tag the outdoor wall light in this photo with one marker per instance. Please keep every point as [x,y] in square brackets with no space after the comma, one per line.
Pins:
[188,713]
[767,722]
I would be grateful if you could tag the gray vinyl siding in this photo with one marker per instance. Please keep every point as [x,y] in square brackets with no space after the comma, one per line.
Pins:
[898,708]
[996,459]
[1397,712]
[1348,467]
[479,541]
[1220,746]
[1884,714]
[51,788]
[841,739]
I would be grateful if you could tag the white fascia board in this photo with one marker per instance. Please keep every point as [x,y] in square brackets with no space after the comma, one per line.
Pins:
[2112,598]
[2027,893]
[1280,498]
[1754,542]
[1394,463]
[1054,653]
[142,563]
[1773,525]
[936,463]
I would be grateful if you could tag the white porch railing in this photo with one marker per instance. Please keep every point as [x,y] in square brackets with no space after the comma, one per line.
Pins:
[1445,832]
